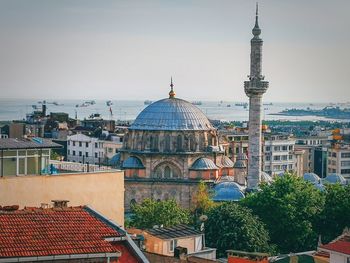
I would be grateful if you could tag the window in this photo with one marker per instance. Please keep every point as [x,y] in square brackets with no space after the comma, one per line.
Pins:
[276,148]
[345,171]
[73,153]
[334,154]
[267,157]
[167,172]
[290,167]
[277,158]
[80,144]
[267,168]
[345,155]
[86,154]
[267,148]
[345,163]
[80,153]
[290,147]
[284,157]
[68,142]
[68,152]
[173,245]
[284,148]
[116,150]
[73,143]
[96,155]
[86,144]
[96,145]
[284,167]
[290,157]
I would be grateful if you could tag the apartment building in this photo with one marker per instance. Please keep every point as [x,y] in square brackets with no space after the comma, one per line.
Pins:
[339,160]
[84,149]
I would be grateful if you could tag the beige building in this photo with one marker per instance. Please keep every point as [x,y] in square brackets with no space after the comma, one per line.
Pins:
[339,160]
[102,190]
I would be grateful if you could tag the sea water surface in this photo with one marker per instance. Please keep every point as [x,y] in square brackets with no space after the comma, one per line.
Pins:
[16,109]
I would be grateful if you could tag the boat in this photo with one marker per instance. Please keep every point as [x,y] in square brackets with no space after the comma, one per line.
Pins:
[268,104]
[147,102]
[241,104]
[228,105]
[197,102]
[109,103]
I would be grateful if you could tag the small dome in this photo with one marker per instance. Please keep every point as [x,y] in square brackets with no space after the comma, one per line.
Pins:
[334,178]
[115,160]
[266,178]
[240,164]
[226,162]
[133,163]
[312,178]
[227,191]
[320,187]
[204,164]
[225,184]
[171,114]
[242,156]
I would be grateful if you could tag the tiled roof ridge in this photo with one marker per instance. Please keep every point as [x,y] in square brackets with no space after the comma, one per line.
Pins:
[33,209]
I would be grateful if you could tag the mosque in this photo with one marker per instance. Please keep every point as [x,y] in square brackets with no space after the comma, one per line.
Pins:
[169,148]
[172,146]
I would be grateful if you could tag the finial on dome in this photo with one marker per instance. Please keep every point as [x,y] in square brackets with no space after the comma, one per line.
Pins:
[256,30]
[172,92]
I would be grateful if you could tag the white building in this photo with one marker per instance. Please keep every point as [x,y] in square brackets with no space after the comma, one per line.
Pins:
[339,160]
[83,149]
[279,155]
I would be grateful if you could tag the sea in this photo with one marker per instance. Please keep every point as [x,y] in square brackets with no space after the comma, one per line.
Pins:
[127,110]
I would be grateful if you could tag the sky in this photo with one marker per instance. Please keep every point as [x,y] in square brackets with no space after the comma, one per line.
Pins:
[128,49]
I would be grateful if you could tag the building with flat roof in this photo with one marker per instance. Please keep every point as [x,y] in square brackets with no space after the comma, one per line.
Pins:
[25,156]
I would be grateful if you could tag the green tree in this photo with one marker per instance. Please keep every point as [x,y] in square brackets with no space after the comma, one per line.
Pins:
[202,200]
[336,213]
[151,212]
[231,226]
[289,207]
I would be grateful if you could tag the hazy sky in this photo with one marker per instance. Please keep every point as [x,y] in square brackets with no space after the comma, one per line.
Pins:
[128,49]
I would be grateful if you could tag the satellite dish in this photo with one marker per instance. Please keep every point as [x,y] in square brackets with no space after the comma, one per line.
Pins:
[203,218]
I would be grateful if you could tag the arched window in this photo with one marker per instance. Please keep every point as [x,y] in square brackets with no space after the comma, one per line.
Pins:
[167,172]
[154,146]
[167,143]
[179,143]
[192,144]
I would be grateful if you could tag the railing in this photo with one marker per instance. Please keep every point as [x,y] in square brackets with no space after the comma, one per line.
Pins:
[67,167]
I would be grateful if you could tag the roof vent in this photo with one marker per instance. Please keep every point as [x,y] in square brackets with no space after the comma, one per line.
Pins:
[60,203]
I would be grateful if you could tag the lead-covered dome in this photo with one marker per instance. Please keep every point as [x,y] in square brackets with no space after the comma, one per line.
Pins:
[171,114]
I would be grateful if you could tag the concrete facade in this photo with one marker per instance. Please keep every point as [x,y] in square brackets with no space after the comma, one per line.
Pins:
[104,191]
[255,88]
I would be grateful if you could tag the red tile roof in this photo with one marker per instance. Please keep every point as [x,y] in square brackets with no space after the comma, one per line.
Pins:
[341,244]
[62,231]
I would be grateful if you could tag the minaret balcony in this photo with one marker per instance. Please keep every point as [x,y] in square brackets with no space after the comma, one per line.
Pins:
[254,87]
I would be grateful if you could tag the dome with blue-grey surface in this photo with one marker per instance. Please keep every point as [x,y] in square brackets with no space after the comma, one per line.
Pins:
[171,114]
[334,178]
[203,164]
[227,191]
[133,163]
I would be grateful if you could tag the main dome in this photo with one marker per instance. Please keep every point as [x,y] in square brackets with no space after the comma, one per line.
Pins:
[171,114]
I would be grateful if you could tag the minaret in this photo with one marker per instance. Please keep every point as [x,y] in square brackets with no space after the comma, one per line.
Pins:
[255,88]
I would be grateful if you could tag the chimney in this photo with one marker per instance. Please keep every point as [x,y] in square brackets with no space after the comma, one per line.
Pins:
[60,203]
[180,253]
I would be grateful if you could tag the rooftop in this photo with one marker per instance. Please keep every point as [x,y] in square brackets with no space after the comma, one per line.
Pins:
[80,231]
[340,245]
[173,232]
[33,143]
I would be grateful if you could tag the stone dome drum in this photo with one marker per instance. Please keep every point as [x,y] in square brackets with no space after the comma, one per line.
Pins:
[171,114]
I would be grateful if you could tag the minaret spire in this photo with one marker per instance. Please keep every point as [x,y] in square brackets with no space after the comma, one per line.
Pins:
[255,88]
[256,30]
[172,92]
